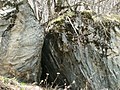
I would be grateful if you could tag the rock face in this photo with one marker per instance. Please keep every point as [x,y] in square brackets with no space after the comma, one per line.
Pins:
[85,50]
[80,49]
[21,40]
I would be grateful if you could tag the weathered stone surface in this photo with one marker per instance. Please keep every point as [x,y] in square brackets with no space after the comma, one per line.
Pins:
[81,47]
[90,56]
[21,44]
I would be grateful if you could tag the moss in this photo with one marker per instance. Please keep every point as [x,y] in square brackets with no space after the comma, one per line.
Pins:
[112,17]
[107,18]
[61,17]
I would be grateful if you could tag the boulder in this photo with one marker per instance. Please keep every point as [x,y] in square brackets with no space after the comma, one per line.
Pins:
[21,40]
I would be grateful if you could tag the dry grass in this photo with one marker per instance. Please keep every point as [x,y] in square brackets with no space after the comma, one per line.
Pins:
[13,84]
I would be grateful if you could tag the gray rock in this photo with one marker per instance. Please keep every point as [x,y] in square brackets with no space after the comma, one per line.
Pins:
[20,47]
[86,62]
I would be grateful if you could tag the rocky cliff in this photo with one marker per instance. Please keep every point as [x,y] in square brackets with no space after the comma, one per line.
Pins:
[84,49]
[77,48]
[21,40]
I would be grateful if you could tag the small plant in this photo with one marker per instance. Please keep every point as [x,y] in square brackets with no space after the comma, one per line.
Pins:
[57,87]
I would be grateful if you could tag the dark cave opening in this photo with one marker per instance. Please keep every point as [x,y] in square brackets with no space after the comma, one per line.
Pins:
[48,64]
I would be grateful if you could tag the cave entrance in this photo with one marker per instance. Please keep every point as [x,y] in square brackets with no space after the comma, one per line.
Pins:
[49,66]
